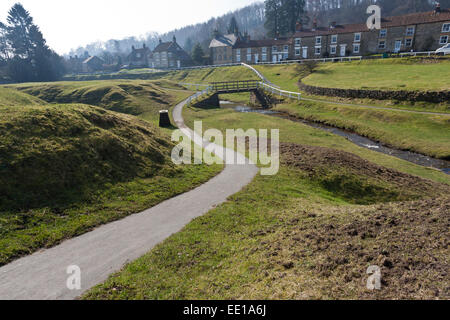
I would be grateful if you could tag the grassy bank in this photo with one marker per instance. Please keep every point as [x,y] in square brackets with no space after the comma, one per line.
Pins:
[135,97]
[385,74]
[299,234]
[422,133]
[66,169]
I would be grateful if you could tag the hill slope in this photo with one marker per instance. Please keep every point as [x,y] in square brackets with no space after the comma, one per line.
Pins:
[48,154]
[130,97]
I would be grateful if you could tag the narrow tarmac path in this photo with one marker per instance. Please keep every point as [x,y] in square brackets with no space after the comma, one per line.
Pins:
[43,275]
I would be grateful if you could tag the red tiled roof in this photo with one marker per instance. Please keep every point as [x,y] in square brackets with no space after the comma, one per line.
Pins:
[397,21]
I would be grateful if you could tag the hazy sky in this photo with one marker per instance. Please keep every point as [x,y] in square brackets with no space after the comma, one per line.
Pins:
[67,24]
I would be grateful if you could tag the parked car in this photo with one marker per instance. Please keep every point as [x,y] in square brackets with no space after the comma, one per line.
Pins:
[444,50]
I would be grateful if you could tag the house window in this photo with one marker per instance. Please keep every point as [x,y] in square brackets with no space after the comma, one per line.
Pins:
[382,45]
[408,42]
[298,42]
[286,48]
[333,49]
[238,55]
[443,40]
[357,37]
[318,51]
[356,48]
[334,38]
[318,40]
[264,57]
[297,51]
[274,49]
[446,27]
[383,33]
[138,55]
[264,50]
[249,54]
[410,31]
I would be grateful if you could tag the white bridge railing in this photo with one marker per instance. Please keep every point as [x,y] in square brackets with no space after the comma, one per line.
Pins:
[279,92]
[199,94]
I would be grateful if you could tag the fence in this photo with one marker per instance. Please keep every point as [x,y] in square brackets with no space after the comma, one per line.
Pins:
[235,85]
[279,92]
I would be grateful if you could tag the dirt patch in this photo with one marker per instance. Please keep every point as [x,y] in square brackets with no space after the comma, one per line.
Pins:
[408,241]
[356,179]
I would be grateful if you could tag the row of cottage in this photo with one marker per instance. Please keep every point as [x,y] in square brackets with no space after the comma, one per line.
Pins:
[166,55]
[425,31]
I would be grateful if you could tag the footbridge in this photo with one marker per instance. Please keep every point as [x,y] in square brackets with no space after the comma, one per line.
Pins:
[260,90]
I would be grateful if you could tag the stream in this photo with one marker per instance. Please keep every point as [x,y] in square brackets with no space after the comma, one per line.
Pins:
[361,141]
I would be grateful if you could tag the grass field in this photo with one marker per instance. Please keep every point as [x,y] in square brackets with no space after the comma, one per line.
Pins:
[135,97]
[287,77]
[299,234]
[385,74]
[67,168]
[204,76]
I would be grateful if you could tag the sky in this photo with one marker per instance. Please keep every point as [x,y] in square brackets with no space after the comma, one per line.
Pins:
[67,24]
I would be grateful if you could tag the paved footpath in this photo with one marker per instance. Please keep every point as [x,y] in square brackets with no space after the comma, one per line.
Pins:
[108,248]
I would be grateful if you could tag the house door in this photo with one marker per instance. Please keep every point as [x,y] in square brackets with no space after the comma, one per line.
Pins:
[343,49]
[256,58]
[305,53]
[178,64]
[398,45]
[275,58]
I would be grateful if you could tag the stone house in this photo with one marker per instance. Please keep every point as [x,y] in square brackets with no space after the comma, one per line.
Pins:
[92,64]
[221,48]
[139,58]
[424,31]
[266,50]
[169,55]
[233,49]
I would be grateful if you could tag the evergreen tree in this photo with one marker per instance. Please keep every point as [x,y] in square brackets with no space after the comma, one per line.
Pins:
[233,27]
[273,17]
[32,59]
[188,45]
[293,11]
[198,54]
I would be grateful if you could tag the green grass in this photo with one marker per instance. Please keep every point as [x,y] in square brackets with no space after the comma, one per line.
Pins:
[246,247]
[135,97]
[299,133]
[387,74]
[422,133]
[203,76]
[9,98]
[67,168]
[287,77]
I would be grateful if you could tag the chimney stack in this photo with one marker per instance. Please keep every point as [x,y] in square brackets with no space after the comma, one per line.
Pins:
[437,9]
[298,26]
[314,24]
[333,25]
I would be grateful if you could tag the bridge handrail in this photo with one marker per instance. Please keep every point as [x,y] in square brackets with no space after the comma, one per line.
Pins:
[284,93]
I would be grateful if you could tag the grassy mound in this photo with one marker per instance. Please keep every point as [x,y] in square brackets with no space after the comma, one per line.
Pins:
[50,155]
[357,180]
[208,75]
[130,97]
[10,97]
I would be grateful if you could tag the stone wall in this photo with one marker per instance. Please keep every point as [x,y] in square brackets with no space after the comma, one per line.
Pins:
[413,96]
